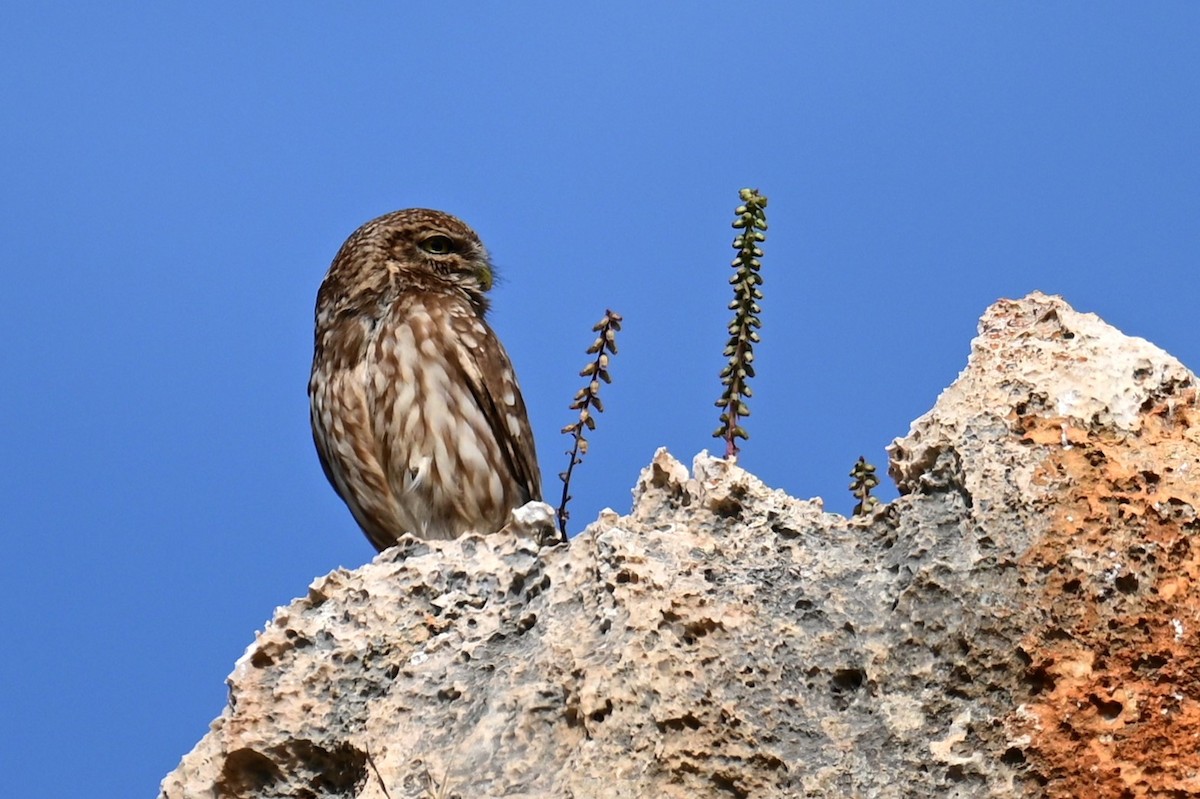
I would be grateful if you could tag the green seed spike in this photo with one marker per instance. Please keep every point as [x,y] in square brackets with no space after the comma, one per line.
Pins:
[750,221]
[864,480]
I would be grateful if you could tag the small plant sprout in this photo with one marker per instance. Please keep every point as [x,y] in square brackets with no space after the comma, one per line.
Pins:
[743,330]
[586,400]
[864,480]
[382,785]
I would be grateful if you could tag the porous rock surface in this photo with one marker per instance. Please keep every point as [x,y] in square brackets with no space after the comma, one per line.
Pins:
[1021,622]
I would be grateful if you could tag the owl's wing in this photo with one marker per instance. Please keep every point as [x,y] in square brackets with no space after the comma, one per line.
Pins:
[334,354]
[341,426]
[488,374]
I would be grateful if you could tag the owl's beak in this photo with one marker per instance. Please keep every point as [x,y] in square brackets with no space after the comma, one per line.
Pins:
[483,273]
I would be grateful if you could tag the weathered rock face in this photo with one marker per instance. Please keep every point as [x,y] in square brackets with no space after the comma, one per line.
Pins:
[1022,622]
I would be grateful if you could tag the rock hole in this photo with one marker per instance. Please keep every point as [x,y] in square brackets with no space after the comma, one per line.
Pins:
[1109,710]
[336,772]
[247,773]
[1012,756]
[536,588]
[847,681]
[702,627]
[1057,634]
[600,714]
[300,641]
[316,598]
[961,674]
[728,783]
[518,584]
[686,721]
[783,531]
[726,507]
[1039,680]
[1127,584]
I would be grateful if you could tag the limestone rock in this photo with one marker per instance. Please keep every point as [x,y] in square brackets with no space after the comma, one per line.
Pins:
[1023,621]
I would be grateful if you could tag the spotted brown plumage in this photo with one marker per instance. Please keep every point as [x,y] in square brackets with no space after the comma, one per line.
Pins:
[416,413]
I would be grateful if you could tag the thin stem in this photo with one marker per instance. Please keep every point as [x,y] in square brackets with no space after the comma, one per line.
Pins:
[586,400]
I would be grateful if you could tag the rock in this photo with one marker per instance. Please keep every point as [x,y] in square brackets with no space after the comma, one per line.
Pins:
[1023,621]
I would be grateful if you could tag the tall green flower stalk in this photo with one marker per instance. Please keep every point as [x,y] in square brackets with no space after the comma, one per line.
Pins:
[743,330]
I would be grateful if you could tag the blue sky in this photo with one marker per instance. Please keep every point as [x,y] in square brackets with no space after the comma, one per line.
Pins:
[176,180]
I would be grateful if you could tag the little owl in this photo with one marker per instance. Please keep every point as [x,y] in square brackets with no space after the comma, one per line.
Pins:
[416,412]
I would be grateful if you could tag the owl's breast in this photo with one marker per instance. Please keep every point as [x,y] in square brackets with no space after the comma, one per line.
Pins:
[438,448]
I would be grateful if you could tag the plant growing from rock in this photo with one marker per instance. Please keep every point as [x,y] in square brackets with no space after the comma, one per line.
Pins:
[743,330]
[382,785]
[587,400]
[864,480]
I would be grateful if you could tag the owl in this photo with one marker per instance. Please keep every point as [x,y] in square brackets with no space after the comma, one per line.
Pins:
[416,413]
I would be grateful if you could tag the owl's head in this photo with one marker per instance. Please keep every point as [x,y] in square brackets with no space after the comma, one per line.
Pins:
[415,250]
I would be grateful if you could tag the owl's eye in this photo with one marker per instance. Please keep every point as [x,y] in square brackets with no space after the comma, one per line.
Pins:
[438,245]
